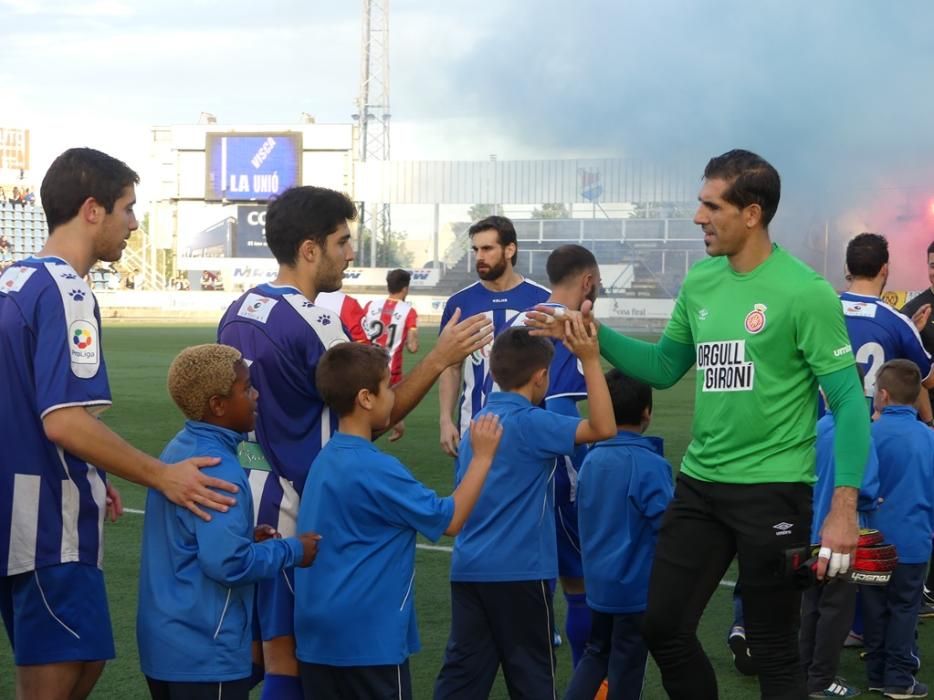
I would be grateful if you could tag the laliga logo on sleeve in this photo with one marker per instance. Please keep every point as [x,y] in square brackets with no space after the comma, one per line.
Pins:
[755,319]
[83,343]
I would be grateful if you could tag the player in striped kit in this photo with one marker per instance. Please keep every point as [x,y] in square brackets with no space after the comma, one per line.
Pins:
[392,323]
[283,334]
[53,492]
[500,294]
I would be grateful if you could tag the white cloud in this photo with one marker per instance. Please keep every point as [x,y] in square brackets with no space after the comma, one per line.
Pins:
[70,8]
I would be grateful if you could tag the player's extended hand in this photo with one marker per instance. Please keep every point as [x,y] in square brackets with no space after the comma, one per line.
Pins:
[839,535]
[114,503]
[580,338]
[921,317]
[185,485]
[485,434]
[309,542]
[450,438]
[460,338]
[398,430]
[264,532]
[548,320]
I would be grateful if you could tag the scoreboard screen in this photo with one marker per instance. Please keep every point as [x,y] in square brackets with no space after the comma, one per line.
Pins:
[251,167]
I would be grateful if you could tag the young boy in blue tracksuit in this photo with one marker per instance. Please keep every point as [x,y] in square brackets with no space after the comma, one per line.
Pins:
[905,517]
[827,610]
[623,489]
[355,611]
[195,610]
[503,558]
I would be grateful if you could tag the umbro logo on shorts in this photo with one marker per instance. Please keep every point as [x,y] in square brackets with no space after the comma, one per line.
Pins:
[782,528]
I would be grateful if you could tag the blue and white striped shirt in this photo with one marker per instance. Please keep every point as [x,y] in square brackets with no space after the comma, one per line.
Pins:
[52,503]
[501,308]
[282,336]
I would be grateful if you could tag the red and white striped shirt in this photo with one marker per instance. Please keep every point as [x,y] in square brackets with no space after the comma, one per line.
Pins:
[386,323]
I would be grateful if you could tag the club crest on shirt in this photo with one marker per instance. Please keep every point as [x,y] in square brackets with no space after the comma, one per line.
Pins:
[256,307]
[858,309]
[15,277]
[755,319]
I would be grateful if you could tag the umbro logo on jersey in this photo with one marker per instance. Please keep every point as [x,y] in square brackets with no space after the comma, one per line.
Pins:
[782,528]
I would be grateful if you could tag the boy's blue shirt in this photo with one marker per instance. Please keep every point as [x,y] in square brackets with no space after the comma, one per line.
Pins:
[355,605]
[906,483]
[625,487]
[194,620]
[510,534]
[868,499]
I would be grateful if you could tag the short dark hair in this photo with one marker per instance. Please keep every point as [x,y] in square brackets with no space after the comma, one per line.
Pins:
[397,280]
[347,368]
[630,397]
[517,355]
[866,253]
[505,232]
[568,260]
[77,174]
[752,180]
[931,248]
[902,379]
[303,213]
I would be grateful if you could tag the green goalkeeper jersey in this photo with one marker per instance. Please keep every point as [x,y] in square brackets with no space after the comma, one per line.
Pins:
[761,339]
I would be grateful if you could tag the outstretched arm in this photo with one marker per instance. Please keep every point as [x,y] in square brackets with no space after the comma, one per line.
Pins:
[457,341]
[660,364]
[74,430]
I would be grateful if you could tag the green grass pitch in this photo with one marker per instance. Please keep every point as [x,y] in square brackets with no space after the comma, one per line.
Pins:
[138,357]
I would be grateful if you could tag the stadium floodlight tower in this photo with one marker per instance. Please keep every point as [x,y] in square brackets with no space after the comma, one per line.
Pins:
[372,114]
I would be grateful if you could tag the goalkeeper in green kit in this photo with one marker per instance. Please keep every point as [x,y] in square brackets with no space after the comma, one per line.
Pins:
[764,330]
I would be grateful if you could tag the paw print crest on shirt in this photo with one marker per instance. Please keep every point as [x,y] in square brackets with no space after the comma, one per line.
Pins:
[76,294]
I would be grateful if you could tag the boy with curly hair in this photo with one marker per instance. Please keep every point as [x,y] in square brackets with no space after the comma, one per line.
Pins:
[196,594]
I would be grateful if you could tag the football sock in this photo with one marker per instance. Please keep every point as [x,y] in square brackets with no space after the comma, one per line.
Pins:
[578,624]
[282,688]
[257,676]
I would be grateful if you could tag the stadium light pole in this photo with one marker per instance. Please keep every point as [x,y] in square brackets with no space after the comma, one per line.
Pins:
[373,116]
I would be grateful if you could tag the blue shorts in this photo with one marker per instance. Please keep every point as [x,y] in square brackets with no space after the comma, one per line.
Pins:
[569,544]
[275,606]
[57,614]
[274,609]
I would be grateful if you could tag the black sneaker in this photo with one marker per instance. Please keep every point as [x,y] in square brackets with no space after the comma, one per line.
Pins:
[742,659]
[839,688]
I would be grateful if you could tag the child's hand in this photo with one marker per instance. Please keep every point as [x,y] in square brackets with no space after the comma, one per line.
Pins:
[485,434]
[581,338]
[114,503]
[398,430]
[261,533]
[309,542]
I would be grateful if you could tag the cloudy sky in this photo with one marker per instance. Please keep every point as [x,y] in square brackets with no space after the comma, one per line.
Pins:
[838,94]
